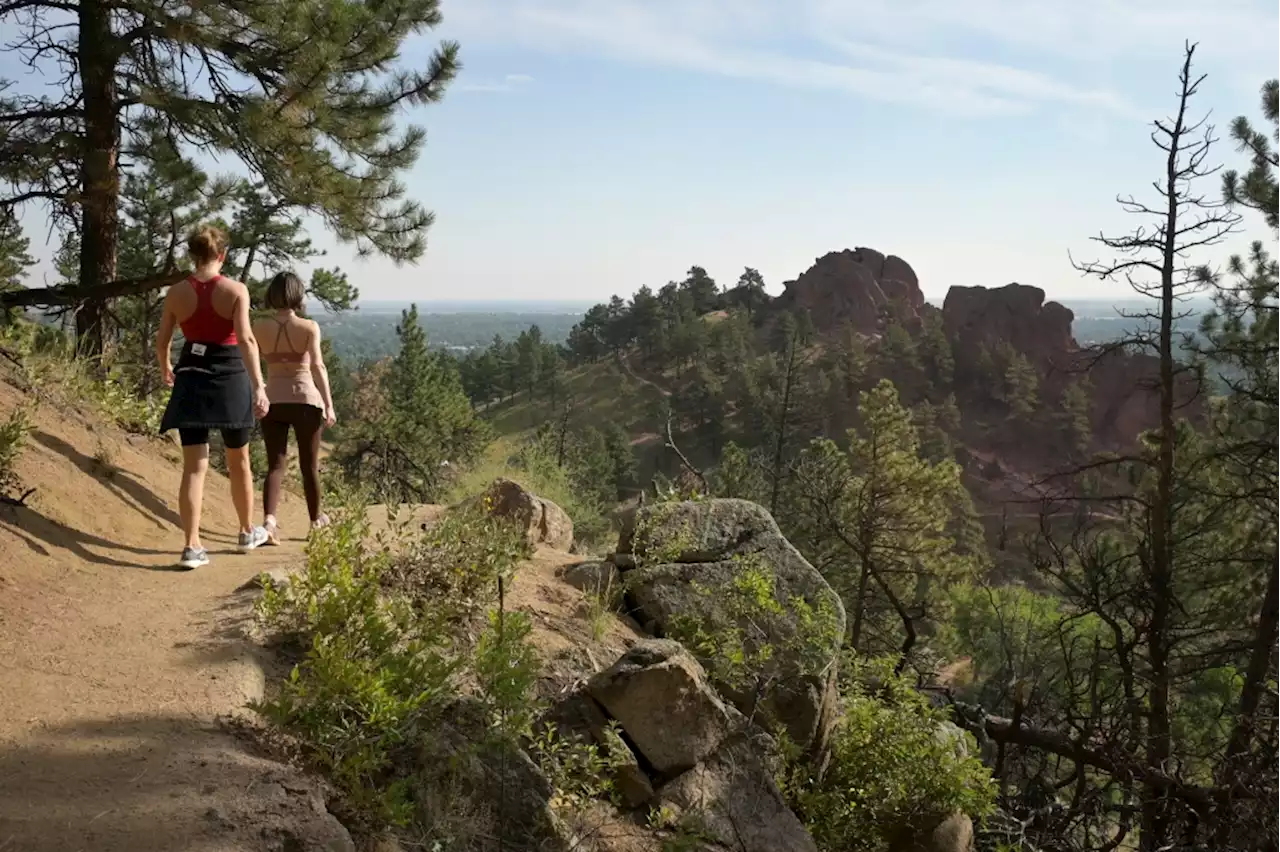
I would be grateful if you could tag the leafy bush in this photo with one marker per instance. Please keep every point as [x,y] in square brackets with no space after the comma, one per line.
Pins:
[49,365]
[454,565]
[13,437]
[380,667]
[895,768]
[757,627]
[374,674]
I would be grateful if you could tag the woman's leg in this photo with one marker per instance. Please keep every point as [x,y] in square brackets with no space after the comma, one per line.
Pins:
[195,462]
[309,429]
[237,444]
[275,434]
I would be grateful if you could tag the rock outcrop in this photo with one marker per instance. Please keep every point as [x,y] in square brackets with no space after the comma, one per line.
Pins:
[1122,390]
[683,560]
[659,694]
[857,287]
[543,522]
[689,753]
[1016,314]
[953,834]
[500,775]
[735,802]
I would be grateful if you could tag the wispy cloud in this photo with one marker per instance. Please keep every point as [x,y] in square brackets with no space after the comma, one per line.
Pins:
[509,83]
[934,54]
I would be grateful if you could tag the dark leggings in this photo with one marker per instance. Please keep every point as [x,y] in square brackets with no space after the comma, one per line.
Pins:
[308,425]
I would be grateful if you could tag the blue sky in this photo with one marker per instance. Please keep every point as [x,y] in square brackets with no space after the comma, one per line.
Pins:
[594,146]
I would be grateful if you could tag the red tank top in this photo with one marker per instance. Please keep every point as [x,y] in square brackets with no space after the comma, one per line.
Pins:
[206,325]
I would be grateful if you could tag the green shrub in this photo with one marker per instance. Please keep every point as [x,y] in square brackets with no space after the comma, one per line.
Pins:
[13,438]
[757,625]
[895,767]
[374,674]
[382,666]
[455,563]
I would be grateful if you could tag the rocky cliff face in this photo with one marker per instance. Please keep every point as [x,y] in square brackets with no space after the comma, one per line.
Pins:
[863,287]
[1014,314]
[856,287]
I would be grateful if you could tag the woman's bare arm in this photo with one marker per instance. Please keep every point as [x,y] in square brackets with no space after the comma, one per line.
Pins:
[245,338]
[249,351]
[164,338]
[319,372]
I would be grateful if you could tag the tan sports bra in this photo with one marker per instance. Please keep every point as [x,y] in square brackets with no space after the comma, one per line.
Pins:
[289,372]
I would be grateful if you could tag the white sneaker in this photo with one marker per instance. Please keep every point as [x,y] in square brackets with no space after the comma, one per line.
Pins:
[193,557]
[271,527]
[255,537]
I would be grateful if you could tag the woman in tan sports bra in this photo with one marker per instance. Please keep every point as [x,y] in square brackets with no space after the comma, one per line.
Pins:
[298,390]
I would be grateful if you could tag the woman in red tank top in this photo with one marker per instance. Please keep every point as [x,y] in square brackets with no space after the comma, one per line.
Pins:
[216,385]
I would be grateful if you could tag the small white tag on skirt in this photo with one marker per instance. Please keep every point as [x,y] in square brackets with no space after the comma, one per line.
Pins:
[198,349]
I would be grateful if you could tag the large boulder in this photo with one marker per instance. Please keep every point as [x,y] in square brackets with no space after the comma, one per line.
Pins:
[703,758]
[511,795]
[543,522]
[580,717]
[1017,315]
[689,558]
[733,800]
[953,834]
[855,287]
[659,695]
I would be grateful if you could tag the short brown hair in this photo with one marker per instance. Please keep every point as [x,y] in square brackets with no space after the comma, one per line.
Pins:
[207,244]
[286,292]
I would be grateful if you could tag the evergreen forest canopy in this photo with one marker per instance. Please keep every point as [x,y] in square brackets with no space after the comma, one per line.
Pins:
[1102,613]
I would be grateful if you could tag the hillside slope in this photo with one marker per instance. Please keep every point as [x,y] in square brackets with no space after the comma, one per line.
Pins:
[116,669]
[120,675]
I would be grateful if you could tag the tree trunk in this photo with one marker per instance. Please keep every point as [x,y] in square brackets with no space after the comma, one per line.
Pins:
[860,604]
[1155,817]
[1255,683]
[248,262]
[100,180]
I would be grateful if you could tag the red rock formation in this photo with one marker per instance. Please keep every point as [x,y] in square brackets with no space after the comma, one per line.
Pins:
[1122,384]
[862,287]
[855,287]
[1015,314]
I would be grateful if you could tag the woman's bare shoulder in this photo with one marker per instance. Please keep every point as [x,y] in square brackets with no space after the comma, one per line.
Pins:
[233,284]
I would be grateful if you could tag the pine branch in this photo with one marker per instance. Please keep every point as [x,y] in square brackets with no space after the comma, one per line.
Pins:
[70,295]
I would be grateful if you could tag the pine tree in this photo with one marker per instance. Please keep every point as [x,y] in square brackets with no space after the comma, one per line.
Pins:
[589,339]
[898,358]
[1021,387]
[702,290]
[935,351]
[740,474]
[646,318]
[1164,580]
[15,247]
[749,294]
[881,521]
[529,354]
[425,421]
[1076,415]
[304,95]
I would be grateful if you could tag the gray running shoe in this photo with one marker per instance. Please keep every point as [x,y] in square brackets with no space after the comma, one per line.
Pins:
[193,557]
[255,537]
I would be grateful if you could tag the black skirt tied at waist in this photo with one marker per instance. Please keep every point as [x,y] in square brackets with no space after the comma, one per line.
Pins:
[211,390]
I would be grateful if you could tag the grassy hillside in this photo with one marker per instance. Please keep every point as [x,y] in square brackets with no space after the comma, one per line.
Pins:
[597,393]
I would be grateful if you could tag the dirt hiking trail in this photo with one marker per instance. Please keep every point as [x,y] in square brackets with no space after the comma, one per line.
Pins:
[115,669]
